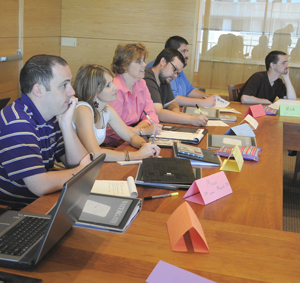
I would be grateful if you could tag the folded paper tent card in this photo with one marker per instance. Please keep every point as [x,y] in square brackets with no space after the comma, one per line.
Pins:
[236,164]
[256,111]
[241,130]
[184,220]
[209,189]
[251,121]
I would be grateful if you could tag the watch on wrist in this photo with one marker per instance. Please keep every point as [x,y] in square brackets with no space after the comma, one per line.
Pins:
[141,131]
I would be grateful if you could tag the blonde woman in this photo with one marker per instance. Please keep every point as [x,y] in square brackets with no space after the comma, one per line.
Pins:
[94,89]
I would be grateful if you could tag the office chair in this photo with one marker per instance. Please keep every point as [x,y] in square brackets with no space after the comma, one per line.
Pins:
[3,208]
[234,90]
[297,167]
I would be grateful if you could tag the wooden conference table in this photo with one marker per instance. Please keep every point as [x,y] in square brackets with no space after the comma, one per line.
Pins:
[243,230]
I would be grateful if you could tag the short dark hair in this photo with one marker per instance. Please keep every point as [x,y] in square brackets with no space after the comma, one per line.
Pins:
[272,57]
[175,42]
[169,54]
[38,69]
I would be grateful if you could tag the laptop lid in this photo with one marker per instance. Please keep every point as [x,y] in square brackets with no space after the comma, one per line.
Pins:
[69,206]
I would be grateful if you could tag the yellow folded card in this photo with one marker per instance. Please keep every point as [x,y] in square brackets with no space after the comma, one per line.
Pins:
[236,164]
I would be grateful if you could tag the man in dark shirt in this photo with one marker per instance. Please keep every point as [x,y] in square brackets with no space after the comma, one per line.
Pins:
[264,87]
[168,65]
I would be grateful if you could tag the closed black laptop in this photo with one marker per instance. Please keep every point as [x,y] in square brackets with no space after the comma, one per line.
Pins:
[65,213]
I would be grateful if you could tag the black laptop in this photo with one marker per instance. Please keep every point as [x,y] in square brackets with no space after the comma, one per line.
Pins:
[51,228]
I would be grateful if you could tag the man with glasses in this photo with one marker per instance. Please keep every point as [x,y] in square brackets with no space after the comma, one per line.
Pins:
[168,66]
[184,92]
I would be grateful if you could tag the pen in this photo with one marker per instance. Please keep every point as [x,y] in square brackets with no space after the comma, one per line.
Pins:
[198,108]
[154,136]
[148,117]
[161,196]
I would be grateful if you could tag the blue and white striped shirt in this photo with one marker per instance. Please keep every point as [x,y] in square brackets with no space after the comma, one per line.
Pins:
[28,145]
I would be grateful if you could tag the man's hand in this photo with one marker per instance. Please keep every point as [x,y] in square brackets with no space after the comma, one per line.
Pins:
[67,117]
[210,101]
[86,160]
[198,120]
[286,76]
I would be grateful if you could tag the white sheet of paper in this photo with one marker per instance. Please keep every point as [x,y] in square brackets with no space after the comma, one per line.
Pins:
[232,141]
[220,102]
[279,102]
[131,162]
[216,123]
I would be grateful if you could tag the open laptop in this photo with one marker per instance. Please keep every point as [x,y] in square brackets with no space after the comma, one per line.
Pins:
[64,214]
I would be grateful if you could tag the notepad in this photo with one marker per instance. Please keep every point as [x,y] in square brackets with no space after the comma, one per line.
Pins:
[188,150]
[208,158]
[184,136]
[116,188]
[109,213]
[163,143]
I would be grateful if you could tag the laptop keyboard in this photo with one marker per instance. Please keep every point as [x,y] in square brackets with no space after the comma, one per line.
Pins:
[23,235]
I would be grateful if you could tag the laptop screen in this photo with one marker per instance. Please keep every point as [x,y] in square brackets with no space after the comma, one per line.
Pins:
[69,206]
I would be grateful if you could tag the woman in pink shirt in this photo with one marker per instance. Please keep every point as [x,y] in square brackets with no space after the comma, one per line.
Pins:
[133,96]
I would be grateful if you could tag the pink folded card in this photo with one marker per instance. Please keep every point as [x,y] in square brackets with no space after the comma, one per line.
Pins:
[209,189]
[256,111]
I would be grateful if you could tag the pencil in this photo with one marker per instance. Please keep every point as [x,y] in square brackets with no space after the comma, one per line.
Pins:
[154,136]
[148,117]
[161,196]
[198,108]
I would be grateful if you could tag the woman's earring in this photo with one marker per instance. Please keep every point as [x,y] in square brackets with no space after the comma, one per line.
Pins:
[96,104]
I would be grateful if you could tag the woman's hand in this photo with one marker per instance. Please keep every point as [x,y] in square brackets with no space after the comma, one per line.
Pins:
[152,129]
[149,150]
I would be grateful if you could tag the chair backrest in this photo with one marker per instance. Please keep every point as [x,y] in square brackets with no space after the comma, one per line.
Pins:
[234,90]
[3,208]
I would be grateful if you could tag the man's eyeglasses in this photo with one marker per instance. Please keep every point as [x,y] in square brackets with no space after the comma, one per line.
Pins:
[175,70]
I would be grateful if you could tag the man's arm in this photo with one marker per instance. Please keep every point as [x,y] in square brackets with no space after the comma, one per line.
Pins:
[290,91]
[186,95]
[173,115]
[196,93]
[248,99]
[192,101]
[52,181]
[75,155]
[74,150]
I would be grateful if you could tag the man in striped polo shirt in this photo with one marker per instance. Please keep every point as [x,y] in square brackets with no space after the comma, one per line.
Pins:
[36,130]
